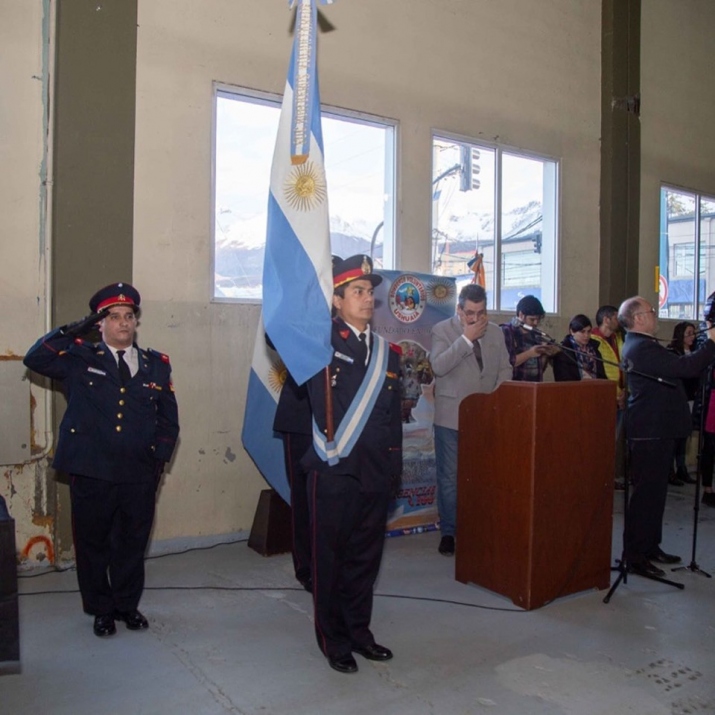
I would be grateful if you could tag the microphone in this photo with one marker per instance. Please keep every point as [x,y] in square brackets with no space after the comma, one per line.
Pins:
[536,331]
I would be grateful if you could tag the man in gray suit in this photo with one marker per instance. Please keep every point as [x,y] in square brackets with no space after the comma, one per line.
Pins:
[468,356]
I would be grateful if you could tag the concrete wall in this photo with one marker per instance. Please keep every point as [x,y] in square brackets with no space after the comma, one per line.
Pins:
[526,74]
[521,73]
[25,36]
[677,109]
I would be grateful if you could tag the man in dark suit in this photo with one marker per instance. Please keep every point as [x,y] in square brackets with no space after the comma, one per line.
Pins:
[354,472]
[657,414]
[117,434]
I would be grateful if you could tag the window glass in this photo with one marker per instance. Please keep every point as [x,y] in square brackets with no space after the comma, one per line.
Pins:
[687,242]
[359,168]
[498,206]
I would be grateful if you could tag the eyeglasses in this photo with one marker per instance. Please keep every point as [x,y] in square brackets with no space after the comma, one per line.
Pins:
[474,313]
[641,312]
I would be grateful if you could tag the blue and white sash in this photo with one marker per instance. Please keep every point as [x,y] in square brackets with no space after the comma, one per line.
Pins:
[355,419]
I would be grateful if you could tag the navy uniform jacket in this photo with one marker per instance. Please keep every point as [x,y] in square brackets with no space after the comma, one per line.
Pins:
[376,458]
[656,410]
[108,431]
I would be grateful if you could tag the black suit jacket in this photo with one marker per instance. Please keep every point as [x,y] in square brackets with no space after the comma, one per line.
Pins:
[376,458]
[656,410]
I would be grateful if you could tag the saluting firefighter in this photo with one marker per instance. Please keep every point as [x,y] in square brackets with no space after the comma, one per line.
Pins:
[352,478]
[117,434]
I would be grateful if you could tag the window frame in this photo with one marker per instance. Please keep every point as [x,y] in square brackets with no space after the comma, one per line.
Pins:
[696,247]
[499,150]
[273,99]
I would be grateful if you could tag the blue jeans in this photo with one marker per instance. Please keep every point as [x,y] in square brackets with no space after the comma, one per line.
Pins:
[445,450]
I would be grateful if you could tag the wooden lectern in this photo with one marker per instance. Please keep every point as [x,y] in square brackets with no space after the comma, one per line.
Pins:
[535,489]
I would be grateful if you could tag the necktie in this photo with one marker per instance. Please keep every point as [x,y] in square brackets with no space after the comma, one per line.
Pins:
[477,348]
[124,372]
[362,352]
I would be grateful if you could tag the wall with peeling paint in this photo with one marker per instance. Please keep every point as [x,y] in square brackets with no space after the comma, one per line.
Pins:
[481,69]
[24,37]
[526,73]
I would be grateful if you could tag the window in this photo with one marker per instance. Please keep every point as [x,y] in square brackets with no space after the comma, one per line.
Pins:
[500,203]
[687,259]
[360,171]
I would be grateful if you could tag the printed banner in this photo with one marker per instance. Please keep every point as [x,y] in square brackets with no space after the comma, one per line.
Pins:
[407,305]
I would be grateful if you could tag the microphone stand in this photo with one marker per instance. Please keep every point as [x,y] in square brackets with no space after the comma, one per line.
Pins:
[573,354]
[705,388]
[622,563]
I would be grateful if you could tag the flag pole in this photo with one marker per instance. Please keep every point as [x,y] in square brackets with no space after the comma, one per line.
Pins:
[329,426]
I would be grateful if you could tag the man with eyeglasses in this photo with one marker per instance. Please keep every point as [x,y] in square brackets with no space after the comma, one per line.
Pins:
[528,354]
[468,355]
[118,432]
[657,414]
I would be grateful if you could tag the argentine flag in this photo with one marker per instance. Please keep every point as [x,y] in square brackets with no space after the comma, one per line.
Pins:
[297,269]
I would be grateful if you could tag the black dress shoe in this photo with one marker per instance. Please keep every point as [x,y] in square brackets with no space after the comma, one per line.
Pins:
[645,568]
[343,663]
[709,498]
[134,620]
[104,626]
[684,475]
[659,556]
[446,546]
[373,652]
[675,480]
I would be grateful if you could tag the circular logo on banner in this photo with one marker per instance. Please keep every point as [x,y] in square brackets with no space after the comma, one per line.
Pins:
[662,290]
[407,298]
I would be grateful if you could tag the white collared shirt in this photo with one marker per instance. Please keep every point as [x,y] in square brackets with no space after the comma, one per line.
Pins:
[367,335]
[131,357]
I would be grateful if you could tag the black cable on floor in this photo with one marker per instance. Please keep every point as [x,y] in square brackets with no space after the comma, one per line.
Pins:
[426,599]
[252,588]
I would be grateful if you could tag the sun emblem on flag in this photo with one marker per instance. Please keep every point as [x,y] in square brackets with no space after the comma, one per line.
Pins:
[277,375]
[305,187]
[440,292]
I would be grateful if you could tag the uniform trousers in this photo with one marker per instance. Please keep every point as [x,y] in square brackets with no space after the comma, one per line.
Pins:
[294,448]
[111,524]
[348,536]
[650,461]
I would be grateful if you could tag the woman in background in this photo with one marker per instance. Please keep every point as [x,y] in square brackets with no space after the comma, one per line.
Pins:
[580,358]
[683,342]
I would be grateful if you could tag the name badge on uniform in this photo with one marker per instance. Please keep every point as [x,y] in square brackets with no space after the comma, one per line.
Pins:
[96,371]
[345,358]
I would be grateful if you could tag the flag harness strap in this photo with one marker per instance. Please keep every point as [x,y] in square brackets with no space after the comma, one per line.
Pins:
[355,419]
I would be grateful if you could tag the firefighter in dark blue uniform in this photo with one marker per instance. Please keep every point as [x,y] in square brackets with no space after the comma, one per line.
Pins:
[117,434]
[352,478]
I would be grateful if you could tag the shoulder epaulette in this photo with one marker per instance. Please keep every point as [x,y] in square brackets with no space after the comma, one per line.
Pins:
[162,356]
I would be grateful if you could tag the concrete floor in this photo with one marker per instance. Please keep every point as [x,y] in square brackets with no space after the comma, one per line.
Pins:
[231,632]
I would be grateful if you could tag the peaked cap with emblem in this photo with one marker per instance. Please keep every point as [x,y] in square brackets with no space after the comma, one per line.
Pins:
[115,294]
[354,268]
